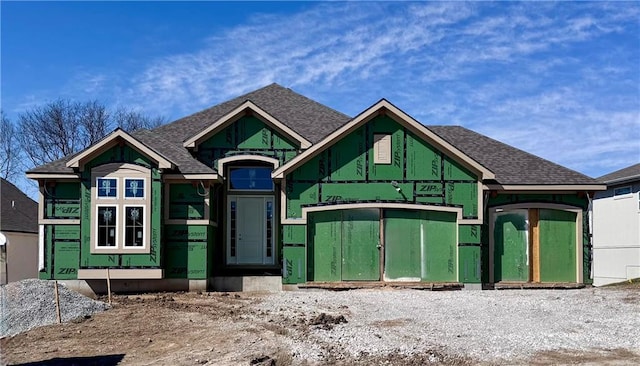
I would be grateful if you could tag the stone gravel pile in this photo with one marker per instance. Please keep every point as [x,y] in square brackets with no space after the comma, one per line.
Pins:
[31,303]
[485,326]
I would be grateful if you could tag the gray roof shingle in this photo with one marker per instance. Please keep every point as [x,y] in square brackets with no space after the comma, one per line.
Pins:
[179,155]
[309,118]
[509,164]
[629,173]
[314,121]
[17,211]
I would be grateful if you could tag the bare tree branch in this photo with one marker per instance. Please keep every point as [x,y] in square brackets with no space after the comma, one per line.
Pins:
[9,149]
[62,127]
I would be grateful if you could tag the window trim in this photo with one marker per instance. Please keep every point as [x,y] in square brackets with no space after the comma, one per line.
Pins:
[121,172]
[382,143]
[124,188]
[106,197]
[260,191]
[144,226]
[622,195]
[97,223]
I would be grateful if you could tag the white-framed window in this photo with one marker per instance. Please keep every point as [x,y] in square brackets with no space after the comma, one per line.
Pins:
[250,178]
[382,149]
[107,187]
[134,188]
[121,204]
[134,225]
[106,226]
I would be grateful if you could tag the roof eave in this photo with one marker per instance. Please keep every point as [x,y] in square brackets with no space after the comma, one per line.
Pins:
[547,187]
[239,112]
[386,107]
[109,140]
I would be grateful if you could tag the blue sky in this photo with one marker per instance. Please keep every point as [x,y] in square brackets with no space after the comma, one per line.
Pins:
[560,80]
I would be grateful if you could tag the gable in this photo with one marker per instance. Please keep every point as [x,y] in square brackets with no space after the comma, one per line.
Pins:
[248,135]
[386,109]
[129,148]
[417,173]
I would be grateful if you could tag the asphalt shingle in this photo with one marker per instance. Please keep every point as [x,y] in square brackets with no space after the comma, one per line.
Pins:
[630,172]
[309,118]
[18,212]
[509,164]
[314,121]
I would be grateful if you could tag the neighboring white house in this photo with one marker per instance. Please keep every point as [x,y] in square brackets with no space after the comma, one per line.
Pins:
[616,227]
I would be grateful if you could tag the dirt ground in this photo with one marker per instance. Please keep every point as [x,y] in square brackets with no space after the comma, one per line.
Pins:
[209,328]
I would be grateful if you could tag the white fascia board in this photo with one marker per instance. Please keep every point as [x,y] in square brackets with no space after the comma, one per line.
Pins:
[108,141]
[400,117]
[57,176]
[236,114]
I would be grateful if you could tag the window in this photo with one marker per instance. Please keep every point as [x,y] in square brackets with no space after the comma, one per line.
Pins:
[121,222]
[134,226]
[107,218]
[381,149]
[107,187]
[250,179]
[621,191]
[134,188]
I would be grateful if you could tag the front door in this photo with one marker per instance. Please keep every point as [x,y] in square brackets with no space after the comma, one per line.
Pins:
[250,230]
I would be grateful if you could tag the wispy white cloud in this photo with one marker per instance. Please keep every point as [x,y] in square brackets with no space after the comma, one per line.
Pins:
[550,78]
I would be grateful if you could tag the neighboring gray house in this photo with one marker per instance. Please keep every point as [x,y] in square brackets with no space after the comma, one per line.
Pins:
[18,234]
[616,227]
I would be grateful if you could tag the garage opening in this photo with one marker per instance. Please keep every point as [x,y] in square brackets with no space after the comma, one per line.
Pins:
[375,244]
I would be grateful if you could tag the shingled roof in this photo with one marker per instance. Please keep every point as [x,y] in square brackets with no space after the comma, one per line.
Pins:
[315,121]
[511,166]
[309,118]
[624,175]
[17,211]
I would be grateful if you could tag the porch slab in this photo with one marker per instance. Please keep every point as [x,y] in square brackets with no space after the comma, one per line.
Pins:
[246,283]
[533,286]
[354,285]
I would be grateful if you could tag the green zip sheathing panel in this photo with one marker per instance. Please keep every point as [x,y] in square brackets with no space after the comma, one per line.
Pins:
[441,235]
[294,234]
[346,172]
[360,240]
[187,254]
[62,249]
[294,264]
[299,194]
[148,260]
[404,255]
[247,135]
[511,246]
[62,201]
[294,254]
[469,259]
[557,246]
[420,246]
[423,160]
[345,192]
[186,202]
[343,246]
[395,170]
[564,199]
[470,253]
[325,246]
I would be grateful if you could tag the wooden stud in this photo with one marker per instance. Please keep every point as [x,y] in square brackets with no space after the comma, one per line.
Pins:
[55,288]
[534,233]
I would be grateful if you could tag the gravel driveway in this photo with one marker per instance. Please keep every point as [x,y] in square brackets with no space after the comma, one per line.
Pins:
[485,326]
